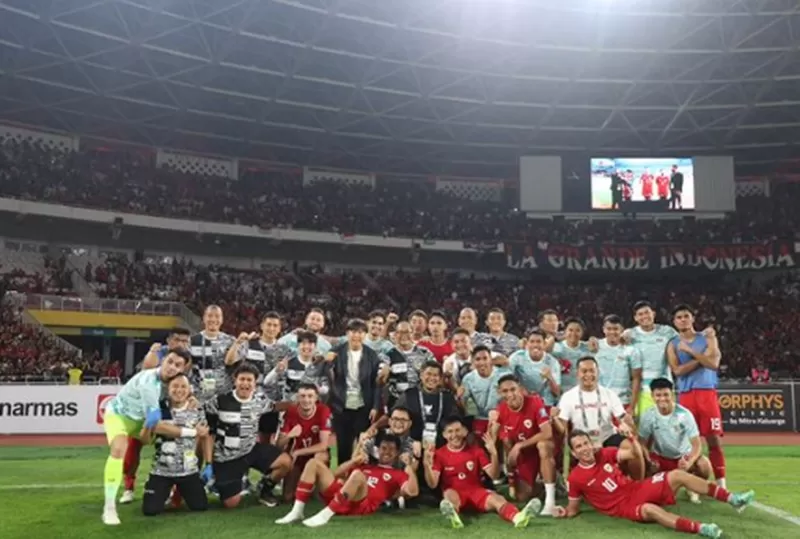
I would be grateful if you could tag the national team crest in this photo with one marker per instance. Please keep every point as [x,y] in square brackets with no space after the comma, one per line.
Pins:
[608,468]
[528,423]
[315,429]
[387,477]
[470,465]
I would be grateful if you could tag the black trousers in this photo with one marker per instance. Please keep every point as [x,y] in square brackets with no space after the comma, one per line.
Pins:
[159,487]
[348,425]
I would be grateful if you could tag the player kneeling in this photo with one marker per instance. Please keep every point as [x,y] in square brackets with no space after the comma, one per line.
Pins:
[671,433]
[305,434]
[356,488]
[599,480]
[181,430]
[457,467]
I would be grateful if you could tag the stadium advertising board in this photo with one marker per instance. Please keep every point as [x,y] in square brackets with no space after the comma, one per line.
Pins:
[42,409]
[599,257]
[757,408]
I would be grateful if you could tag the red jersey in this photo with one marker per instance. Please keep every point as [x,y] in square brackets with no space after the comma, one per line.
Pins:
[603,486]
[523,424]
[383,482]
[439,351]
[319,421]
[460,469]
[647,184]
[662,182]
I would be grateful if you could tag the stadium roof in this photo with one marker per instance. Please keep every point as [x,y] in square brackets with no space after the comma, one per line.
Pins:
[428,86]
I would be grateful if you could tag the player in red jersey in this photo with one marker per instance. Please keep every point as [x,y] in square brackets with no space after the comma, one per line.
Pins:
[528,441]
[598,479]
[305,434]
[457,467]
[647,185]
[438,343]
[662,185]
[356,488]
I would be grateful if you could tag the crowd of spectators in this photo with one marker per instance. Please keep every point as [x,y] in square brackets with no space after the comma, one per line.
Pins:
[132,183]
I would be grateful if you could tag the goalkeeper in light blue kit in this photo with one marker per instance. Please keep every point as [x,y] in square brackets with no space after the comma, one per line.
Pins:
[136,406]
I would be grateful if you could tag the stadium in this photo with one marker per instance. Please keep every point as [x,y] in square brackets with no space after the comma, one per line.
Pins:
[449,161]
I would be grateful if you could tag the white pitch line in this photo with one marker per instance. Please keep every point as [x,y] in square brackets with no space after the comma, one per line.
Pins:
[779,513]
[45,486]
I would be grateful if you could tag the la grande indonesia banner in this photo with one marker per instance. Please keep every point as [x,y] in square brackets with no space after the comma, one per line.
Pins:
[640,258]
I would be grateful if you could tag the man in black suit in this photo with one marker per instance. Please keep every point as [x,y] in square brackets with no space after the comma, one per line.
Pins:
[355,398]
[429,404]
[676,189]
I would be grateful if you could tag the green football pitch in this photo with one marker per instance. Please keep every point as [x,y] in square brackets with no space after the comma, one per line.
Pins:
[56,492]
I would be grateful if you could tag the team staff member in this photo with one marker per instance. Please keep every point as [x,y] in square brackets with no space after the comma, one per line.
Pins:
[233,418]
[694,359]
[178,339]
[137,405]
[181,432]
[428,405]
[208,349]
[355,397]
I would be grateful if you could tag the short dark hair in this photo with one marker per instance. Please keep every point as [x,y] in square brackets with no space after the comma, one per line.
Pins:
[180,331]
[481,348]
[661,383]
[507,378]
[316,310]
[306,336]
[245,368]
[432,364]
[641,305]
[389,438]
[271,315]
[438,314]
[546,312]
[180,352]
[585,358]
[356,324]
[612,319]
[577,433]
[308,385]
[401,409]
[496,310]
[453,419]
[418,312]
[179,375]
[459,331]
[575,320]
[536,331]
[377,313]
[682,307]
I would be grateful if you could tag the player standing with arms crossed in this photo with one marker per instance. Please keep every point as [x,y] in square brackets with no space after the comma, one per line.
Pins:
[670,432]
[599,480]
[694,359]
[620,365]
[651,340]
[137,405]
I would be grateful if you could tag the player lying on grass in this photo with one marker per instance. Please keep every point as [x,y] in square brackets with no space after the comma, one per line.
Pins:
[135,406]
[528,441]
[356,488]
[671,433]
[181,432]
[305,434]
[457,468]
[599,481]
[233,420]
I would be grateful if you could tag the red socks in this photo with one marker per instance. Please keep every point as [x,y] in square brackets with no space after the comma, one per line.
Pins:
[508,512]
[686,525]
[717,458]
[718,493]
[130,464]
[304,491]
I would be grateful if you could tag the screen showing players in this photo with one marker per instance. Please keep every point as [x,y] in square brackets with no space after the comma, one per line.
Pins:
[642,184]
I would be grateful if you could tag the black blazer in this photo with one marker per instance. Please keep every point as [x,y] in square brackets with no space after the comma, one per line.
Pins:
[369,369]
[410,400]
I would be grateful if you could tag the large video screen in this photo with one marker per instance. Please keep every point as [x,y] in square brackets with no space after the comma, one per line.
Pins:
[642,184]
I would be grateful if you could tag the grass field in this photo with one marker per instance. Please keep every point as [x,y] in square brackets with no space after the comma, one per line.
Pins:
[56,492]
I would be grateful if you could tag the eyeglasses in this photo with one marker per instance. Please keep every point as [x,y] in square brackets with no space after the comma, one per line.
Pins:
[399,419]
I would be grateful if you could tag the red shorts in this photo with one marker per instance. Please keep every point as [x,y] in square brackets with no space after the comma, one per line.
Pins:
[367,506]
[473,499]
[664,464]
[528,467]
[655,490]
[704,405]
[480,426]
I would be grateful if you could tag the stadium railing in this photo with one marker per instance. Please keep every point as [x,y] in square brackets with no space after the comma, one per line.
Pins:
[48,302]
[39,380]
